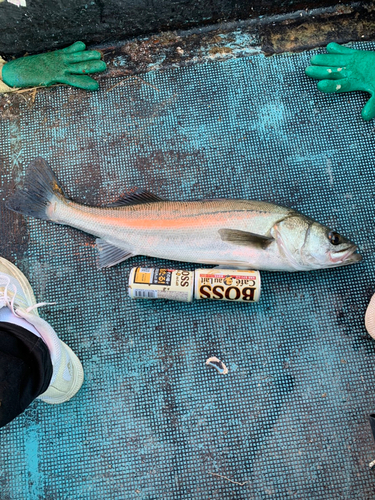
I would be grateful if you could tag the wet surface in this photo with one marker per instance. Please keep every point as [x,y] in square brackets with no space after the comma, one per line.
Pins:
[302,30]
[43,26]
[289,420]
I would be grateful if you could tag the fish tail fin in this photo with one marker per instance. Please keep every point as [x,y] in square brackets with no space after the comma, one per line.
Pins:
[41,188]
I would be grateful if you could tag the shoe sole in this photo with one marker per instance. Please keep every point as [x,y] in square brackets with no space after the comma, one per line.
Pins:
[10,269]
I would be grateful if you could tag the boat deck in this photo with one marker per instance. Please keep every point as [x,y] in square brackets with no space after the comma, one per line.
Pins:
[152,422]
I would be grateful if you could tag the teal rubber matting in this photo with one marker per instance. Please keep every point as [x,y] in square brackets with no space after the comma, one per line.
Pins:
[152,422]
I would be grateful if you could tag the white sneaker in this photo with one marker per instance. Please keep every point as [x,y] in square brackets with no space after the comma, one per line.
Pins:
[16,293]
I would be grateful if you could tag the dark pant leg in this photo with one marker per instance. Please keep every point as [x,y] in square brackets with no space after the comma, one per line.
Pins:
[25,370]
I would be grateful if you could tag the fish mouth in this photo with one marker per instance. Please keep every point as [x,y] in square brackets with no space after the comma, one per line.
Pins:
[346,257]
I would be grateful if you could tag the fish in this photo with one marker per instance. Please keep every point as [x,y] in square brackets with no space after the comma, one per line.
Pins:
[235,233]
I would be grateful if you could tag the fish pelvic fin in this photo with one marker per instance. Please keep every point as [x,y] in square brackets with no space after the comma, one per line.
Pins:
[110,255]
[244,238]
[41,188]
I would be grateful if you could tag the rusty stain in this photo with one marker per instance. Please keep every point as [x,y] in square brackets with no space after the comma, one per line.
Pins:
[287,33]
[216,39]
[306,35]
[221,50]
[344,24]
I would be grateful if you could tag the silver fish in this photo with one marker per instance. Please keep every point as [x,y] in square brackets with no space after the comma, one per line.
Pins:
[234,233]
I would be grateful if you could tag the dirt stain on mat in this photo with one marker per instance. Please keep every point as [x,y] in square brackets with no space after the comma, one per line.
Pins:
[13,227]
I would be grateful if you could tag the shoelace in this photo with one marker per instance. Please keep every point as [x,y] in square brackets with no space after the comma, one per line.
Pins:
[9,302]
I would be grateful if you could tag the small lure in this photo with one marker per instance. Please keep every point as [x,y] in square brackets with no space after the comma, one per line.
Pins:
[219,365]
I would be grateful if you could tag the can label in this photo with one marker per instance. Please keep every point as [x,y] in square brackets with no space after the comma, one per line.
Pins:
[227,284]
[161,283]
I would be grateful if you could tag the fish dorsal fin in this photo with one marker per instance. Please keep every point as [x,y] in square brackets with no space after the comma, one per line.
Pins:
[245,238]
[109,255]
[137,197]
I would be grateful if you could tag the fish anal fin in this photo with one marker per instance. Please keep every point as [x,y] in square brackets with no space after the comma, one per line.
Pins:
[110,255]
[245,238]
[137,197]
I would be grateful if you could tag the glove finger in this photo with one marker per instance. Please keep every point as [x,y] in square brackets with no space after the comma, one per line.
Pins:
[330,60]
[323,73]
[368,112]
[87,55]
[335,48]
[335,86]
[82,82]
[87,67]
[75,47]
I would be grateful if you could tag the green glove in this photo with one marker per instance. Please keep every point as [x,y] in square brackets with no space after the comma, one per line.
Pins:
[69,66]
[343,70]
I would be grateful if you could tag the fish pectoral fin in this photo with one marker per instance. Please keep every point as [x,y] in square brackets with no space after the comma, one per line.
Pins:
[245,238]
[110,255]
[137,197]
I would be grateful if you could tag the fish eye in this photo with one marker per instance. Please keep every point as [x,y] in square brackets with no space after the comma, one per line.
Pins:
[334,238]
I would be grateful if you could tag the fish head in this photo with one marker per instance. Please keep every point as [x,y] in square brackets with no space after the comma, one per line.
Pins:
[329,248]
[310,245]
